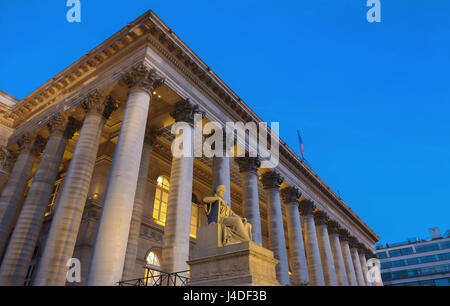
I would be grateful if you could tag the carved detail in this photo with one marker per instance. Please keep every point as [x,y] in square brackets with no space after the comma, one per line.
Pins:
[151,134]
[271,179]
[39,145]
[6,158]
[111,105]
[248,164]
[98,104]
[57,124]
[185,110]
[306,207]
[26,142]
[73,125]
[290,195]
[333,227]
[343,234]
[142,77]
[320,217]
[353,242]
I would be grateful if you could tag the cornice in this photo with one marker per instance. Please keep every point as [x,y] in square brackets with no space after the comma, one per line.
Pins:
[151,29]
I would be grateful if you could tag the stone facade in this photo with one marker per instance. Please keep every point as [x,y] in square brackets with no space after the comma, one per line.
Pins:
[95,192]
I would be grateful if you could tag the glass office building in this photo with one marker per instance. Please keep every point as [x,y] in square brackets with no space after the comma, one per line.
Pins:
[416,262]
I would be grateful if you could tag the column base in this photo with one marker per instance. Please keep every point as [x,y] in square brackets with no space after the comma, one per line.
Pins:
[240,264]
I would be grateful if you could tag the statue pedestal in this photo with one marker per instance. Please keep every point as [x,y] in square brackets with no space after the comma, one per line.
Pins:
[240,264]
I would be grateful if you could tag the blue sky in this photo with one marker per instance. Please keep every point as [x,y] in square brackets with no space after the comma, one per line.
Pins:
[372,100]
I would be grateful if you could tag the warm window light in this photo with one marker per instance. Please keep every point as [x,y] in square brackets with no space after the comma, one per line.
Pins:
[161,199]
[95,195]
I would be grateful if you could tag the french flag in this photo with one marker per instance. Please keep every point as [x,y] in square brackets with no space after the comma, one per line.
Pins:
[301,142]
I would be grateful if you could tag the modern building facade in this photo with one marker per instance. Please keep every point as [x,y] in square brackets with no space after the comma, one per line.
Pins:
[416,262]
[88,174]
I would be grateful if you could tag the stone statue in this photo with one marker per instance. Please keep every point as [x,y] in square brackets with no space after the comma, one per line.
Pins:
[234,228]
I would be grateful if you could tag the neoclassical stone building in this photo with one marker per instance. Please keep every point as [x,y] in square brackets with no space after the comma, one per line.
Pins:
[87,173]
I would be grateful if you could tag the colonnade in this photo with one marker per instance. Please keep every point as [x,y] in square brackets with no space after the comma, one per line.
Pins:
[320,251]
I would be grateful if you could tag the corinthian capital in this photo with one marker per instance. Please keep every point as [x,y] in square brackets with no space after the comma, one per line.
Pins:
[271,179]
[353,242]
[333,227]
[320,217]
[5,158]
[57,124]
[150,135]
[290,194]
[248,164]
[343,234]
[99,104]
[184,111]
[141,77]
[26,142]
[306,207]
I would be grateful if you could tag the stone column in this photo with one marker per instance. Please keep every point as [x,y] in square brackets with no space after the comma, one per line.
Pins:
[26,232]
[175,251]
[271,181]
[248,167]
[356,261]
[349,268]
[66,221]
[12,195]
[108,255]
[362,259]
[139,200]
[290,196]
[326,256]
[341,273]
[316,277]
[5,164]
[221,170]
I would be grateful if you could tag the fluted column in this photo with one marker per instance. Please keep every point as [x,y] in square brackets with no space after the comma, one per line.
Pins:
[175,250]
[290,196]
[356,261]
[139,200]
[349,268]
[248,167]
[30,146]
[326,256]
[363,262]
[26,232]
[316,277]
[5,164]
[341,273]
[66,221]
[221,171]
[110,246]
[271,181]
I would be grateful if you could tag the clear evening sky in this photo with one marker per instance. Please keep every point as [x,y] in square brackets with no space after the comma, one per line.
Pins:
[372,101]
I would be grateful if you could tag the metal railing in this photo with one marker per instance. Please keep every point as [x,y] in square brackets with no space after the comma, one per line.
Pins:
[156,277]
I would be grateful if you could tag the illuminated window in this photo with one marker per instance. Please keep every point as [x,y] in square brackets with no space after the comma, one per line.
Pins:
[194,217]
[152,272]
[161,198]
[153,260]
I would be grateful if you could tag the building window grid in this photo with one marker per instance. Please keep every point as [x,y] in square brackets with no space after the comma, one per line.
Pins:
[415,261]
[388,276]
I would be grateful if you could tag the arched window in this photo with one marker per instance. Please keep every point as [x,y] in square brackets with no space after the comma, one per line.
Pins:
[152,271]
[153,260]
[161,198]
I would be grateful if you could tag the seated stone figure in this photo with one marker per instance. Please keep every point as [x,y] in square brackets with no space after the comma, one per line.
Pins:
[234,228]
